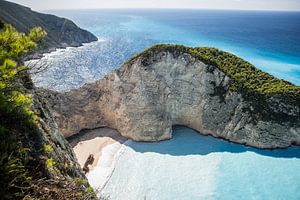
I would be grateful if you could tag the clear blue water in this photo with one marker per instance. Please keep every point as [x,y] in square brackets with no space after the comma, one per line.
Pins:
[269,40]
[193,167]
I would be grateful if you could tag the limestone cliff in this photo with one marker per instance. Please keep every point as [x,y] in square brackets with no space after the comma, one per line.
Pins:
[211,91]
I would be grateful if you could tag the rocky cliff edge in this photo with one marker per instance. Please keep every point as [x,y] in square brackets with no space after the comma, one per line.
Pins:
[211,91]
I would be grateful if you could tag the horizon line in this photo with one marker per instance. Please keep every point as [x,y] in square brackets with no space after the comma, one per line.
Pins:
[144,8]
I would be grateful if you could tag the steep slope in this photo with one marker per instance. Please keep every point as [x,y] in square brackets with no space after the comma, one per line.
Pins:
[54,167]
[36,162]
[211,91]
[61,32]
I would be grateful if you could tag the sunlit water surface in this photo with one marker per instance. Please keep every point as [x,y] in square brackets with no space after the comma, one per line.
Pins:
[269,40]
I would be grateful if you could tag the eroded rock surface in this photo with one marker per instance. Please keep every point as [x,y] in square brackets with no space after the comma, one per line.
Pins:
[145,97]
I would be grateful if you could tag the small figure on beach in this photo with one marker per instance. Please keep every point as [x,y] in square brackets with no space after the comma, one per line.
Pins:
[89,161]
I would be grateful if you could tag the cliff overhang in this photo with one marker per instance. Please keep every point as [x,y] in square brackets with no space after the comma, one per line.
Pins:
[211,91]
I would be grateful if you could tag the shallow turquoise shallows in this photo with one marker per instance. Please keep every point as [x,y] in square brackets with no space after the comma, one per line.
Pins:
[193,166]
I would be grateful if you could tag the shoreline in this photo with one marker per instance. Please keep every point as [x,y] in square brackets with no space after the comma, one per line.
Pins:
[106,145]
[101,174]
[42,53]
[93,142]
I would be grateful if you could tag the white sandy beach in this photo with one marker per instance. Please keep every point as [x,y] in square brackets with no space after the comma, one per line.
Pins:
[105,144]
[93,142]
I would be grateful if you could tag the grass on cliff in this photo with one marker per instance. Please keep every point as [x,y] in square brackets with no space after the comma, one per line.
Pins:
[245,76]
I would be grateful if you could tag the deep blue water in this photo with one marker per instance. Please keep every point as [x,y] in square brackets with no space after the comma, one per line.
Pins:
[269,40]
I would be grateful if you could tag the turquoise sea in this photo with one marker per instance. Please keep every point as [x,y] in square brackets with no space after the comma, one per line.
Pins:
[269,40]
[189,166]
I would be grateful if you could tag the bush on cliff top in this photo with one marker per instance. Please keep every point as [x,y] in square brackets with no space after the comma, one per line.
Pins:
[255,86]
[245,76]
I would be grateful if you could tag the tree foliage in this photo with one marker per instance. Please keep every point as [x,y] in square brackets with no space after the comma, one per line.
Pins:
[16,116]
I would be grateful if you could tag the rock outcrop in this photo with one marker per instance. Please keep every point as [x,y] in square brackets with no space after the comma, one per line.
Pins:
[60,150]
[50,162]
[170,85]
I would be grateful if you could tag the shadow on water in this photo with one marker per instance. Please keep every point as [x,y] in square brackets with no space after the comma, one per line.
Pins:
[186,141]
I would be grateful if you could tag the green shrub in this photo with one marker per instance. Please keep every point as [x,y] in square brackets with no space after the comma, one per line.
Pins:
[245,75]
[50,163]
[16,116]
[256,86]
[89,190]
[47,148]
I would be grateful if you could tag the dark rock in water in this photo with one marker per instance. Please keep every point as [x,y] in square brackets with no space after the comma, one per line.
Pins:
[61,32]
[211,91]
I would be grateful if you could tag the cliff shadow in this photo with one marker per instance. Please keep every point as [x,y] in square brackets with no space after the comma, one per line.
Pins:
[87,134]
[186,141]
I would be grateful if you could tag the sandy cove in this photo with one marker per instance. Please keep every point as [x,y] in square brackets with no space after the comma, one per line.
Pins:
[93,142]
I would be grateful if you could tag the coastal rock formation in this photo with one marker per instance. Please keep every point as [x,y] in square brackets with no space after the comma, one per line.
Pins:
[61,32]
[54,146]
[174,85]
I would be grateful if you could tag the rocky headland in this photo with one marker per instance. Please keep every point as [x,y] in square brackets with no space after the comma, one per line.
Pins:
[61,32]
[211,91]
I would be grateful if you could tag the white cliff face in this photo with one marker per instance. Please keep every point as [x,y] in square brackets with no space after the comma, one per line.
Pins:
[143,99]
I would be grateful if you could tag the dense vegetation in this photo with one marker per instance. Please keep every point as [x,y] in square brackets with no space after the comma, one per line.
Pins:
[243,73]
[255,85]
[35,162]
[60,31]
[16,116]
